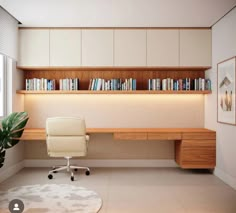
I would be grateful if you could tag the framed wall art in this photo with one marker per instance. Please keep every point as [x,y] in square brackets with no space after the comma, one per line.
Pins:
[226,78]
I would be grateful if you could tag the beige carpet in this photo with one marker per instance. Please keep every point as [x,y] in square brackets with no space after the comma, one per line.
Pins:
[60,198]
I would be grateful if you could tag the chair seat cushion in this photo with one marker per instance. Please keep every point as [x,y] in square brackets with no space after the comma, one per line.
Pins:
[75,144]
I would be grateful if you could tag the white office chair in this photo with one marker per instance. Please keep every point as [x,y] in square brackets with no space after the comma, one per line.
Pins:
[66,137]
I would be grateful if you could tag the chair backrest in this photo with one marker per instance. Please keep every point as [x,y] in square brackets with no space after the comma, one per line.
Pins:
[70,126]
[66,136]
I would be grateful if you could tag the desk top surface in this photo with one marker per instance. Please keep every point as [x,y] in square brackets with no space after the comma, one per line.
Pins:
[40,133]
[114,130]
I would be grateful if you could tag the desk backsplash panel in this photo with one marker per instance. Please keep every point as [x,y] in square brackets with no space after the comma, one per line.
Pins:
[119,110]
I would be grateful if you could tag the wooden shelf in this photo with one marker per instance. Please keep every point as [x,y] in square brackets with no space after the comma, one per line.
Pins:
[114,92]
[148,68]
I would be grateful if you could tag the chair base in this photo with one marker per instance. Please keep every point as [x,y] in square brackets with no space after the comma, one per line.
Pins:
[69,168]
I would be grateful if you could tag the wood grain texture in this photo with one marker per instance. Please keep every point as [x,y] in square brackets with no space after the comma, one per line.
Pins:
[33,133]
[130,136]
[196,153]
[164,136]
[197,135]
[178,152]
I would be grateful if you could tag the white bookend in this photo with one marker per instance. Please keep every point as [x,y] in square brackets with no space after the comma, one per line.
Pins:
[200,84]
[103,84]
[163,84]
[99,84]
[26,84]
[171,84]
[154,82]
[203,84]
[168,83]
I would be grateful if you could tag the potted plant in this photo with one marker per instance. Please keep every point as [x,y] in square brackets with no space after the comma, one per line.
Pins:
[11,131]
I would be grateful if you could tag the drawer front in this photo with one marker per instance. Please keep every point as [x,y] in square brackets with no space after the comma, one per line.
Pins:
[130,136]
[198,154]
[164,136]
[199,135]
[198,143]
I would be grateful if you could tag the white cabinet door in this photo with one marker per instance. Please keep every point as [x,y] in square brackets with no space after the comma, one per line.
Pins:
[97,47]
[130,48]
[195,47]
[33,48]
[65,47]
[163,47]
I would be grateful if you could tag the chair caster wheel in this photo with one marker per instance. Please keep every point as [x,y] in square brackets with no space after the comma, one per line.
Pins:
[75,170]
[87,172]
[53,169]
[72,178]
[50,176]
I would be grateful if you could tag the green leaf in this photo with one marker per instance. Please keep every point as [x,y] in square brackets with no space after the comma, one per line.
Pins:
[1,137]
[2,157]
[12,129]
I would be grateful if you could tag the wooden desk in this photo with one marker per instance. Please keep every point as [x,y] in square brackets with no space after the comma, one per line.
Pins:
[194,147]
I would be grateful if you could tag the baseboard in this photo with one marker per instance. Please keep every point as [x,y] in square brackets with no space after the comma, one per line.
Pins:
[228,179]
[8,172]
[103,163]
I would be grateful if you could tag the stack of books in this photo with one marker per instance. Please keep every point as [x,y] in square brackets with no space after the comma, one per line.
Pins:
[40,84]
[69,84]
[112,84]
[180,84]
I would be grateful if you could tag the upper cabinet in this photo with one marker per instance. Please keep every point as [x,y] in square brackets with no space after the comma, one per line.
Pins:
[33,48]
[97,47]
[195,47]
[163,47]
[65,47]
[129,47]
[114,47]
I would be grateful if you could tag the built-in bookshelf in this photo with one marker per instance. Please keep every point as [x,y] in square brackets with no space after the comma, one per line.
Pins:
[114,92]
[138,78]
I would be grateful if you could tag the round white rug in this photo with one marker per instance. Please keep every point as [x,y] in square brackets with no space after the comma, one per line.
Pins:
[60,198]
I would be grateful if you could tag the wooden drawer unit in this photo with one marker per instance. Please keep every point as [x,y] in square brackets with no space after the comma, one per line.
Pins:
[164,136]
[199,135]
[196,153]
[130,136]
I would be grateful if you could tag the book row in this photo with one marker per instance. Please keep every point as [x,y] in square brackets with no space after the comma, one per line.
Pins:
[179,84]
[119,84]
[40,84]
[69,84]
[112,84]
[50,84]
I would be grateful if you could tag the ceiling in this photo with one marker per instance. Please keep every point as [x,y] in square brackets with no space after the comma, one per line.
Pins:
[118,13]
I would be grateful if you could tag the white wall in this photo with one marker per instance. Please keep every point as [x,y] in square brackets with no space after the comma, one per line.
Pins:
[117,111]
[223,47]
